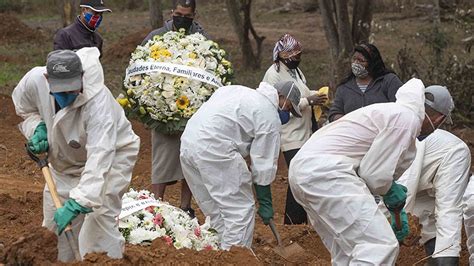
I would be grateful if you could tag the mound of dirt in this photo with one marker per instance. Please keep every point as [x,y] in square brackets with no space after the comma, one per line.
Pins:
[125,46]
[12,30]
[160,253]
[38,247]
[18,216]
[21,215]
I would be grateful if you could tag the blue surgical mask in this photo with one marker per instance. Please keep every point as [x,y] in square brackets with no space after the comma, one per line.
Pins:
[284,116]
[64,99]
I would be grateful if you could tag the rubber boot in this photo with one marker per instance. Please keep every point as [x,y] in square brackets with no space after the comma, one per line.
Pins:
[444,261]
[448,261]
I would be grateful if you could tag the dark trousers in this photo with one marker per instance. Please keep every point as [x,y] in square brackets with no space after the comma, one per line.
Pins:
[294,212]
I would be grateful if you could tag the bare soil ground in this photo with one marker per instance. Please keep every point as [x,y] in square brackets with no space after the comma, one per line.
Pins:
[22,241]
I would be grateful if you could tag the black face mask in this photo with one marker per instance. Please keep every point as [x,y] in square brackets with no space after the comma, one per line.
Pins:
[182,22]
[291,64]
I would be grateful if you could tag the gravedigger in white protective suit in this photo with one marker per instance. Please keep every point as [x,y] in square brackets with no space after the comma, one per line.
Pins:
[468,209]
[70,113]
[436,182]
[338,170]
[234,123]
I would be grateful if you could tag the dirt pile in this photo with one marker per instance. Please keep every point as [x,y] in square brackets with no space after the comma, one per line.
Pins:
[159,253]
[21,215]
[125,46]
[12,30]
[38,247]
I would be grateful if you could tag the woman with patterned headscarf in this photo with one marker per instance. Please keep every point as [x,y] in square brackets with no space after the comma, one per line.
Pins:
[296,131]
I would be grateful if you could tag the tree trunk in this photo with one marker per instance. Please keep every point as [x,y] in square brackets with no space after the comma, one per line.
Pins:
[335,16]
[156,14]
[69,10]
[332,36]
[340,35]
[361,20]
[243,26]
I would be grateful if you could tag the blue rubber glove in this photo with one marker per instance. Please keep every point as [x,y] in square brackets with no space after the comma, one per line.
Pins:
[403,233]
[396,196]
[265,206]
[38,143]
[64,215]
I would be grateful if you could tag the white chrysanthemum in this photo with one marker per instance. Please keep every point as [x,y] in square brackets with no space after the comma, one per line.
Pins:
[139,235]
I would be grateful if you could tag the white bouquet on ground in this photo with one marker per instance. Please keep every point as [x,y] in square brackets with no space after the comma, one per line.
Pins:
[170,77]
[143,219]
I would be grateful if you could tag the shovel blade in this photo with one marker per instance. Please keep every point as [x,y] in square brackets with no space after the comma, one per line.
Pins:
[288,251]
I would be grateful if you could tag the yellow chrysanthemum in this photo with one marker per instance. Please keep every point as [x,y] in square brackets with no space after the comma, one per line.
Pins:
[158,53]
[165,53]
[123,102]
[180,81]
[155,54]
[182,102]
[225,63]
[192,55]
[155,47]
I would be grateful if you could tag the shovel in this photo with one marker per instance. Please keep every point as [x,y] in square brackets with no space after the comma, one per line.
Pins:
[43,164]
[285,252]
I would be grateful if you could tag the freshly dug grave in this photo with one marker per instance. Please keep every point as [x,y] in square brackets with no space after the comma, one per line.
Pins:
[39,247]
[159,252]
[21,216]
[12,30]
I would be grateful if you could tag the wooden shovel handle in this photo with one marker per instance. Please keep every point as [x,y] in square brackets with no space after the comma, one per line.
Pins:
[398,220]
[52,189]
[51,186]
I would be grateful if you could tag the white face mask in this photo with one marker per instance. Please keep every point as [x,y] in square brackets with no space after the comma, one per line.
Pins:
[431,123]
[359,70]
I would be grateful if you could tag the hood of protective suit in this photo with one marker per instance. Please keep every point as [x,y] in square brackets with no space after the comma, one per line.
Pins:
[268,91]
[412,95]
[93,78]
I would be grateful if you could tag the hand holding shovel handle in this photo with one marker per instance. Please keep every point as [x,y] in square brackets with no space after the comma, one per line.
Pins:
[43,164]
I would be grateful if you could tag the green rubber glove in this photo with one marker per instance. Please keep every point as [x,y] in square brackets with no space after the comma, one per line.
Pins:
[64,215]
[403,233]
[265,207]
[38,143]
[396,196]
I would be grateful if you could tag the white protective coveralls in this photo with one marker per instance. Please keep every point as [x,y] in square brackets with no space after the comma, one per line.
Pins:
[436,182]
[235,122]
[92,151]
[336,173]
[468,208]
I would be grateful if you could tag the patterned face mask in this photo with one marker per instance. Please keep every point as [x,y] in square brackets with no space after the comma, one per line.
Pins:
[359,70]
[93,21]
